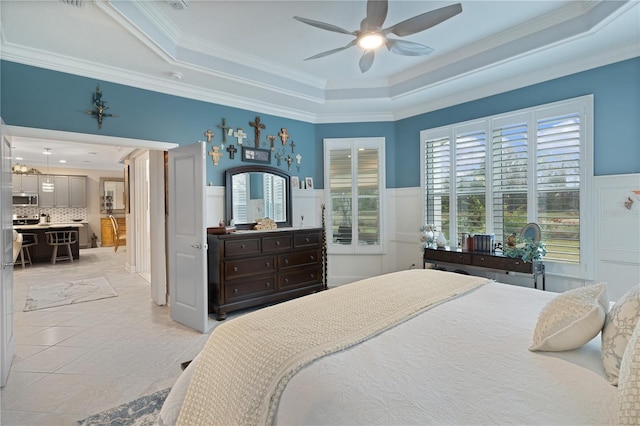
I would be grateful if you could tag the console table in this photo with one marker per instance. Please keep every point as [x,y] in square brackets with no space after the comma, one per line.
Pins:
[486,262]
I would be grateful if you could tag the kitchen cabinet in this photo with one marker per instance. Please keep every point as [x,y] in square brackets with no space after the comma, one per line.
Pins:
[107,237]
[24,184]
[68,191]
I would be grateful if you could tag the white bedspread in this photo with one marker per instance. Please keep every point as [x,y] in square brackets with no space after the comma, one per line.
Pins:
[463,362]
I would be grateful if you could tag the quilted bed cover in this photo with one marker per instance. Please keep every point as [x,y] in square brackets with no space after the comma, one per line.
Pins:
[462,362]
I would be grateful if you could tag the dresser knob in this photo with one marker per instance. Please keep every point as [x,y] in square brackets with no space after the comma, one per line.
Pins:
[266,264]
[267,284]
[242,246]
[235,291]
[235,269]
[312,257]
[278,242]
[312,275]
[306,240]
[286,261]
[286,280]
[482,259]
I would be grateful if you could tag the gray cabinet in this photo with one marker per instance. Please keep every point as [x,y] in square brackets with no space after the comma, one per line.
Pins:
[77,191]
[68,191]
[24,184]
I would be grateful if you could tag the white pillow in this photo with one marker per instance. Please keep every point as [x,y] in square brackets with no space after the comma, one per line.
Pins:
[618,328]
[629,382]
[571,319]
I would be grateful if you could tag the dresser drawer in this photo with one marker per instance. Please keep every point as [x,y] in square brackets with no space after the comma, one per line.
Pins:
[448,256]
[299,278]
[504,263]
[242,247]
[303,257]
[280,243]
[311,239]
[246,267]
[249,288]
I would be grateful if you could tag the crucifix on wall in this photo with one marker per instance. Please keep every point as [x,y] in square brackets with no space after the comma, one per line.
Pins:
[224,128]
[215,154]
[240,135]
[257,126]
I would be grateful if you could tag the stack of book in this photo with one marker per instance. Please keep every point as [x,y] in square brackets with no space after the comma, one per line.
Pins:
[483,243]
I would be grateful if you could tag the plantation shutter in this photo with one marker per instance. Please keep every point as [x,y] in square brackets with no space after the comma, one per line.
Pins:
[437,179]
[341,195]
[510,154]
[470,178]
[558,184]
[368,197]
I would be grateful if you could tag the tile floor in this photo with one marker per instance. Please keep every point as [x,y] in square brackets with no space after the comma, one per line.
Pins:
[77,360]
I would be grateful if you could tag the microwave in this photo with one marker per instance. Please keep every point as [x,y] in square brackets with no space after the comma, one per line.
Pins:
[25,200]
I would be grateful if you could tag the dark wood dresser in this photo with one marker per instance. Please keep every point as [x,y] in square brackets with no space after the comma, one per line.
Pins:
[252,268]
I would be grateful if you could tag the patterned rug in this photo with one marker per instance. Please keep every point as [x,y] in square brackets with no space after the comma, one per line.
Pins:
[139,412]
[49,295]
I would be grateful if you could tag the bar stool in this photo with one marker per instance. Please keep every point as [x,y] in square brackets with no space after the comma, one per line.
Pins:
[28,240]
[61,238]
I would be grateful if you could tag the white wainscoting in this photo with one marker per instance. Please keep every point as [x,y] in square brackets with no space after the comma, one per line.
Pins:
[617,207]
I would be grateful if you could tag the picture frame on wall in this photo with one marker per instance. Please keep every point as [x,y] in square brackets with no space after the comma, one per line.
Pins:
[295,182]
[256,155]
[308,182]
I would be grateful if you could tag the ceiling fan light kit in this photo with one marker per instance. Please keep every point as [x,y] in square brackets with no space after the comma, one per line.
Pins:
[371,35]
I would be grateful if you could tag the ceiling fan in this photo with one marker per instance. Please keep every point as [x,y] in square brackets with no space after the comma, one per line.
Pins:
[371,35]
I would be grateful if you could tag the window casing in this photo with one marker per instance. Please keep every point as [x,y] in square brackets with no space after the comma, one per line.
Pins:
[354,184]
[498,173]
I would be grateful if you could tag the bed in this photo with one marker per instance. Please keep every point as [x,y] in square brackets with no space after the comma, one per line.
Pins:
[458,354]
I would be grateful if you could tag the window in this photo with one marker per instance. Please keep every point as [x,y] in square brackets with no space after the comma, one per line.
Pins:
[496,174]
[354,181]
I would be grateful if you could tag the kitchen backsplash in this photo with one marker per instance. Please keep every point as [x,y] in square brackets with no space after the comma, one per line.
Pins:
[57,214]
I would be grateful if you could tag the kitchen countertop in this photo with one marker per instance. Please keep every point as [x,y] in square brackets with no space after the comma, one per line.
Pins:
[52,225]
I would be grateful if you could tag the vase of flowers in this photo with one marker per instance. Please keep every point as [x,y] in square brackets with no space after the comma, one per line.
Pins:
[527,250]
[427,236]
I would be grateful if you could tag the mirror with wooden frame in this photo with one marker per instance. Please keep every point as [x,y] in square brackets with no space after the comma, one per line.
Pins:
[112,195]
[257,192]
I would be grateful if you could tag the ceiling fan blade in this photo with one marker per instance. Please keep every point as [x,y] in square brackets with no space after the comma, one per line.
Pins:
[407,48]
[329,52]
[424,21]
[376,14]
[323,25]
[366,61]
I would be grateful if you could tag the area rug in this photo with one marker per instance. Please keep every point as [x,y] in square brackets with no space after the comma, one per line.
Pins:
[143,411]
[66,293]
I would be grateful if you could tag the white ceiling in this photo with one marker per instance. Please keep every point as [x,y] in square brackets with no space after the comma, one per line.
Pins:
[250,54]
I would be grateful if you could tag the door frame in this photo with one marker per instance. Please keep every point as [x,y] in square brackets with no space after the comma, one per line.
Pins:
[158,251]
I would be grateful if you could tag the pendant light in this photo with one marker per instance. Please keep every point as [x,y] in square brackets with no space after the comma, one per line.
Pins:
[47,186]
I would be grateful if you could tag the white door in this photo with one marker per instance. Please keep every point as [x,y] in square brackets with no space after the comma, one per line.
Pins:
[7,349]
[187,236]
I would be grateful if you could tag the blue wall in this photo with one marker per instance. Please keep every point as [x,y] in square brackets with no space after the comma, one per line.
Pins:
[34,97]
[39,98]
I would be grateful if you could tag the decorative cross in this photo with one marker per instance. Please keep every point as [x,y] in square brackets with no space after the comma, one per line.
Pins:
[283,136]
[279,156]
[224,128]
[298,160]
[292,145]
[215,155]
[271,139]
[257,126]
[209,134]
[232,151]
[289,160]
[240,135]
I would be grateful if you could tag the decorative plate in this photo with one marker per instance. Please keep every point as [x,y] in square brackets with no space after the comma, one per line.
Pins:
[531,231]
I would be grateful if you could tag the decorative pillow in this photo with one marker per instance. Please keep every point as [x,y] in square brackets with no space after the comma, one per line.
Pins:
[629,382]
[618,328]
[571,319]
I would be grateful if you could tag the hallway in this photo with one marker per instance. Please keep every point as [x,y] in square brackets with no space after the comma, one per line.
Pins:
[77,360]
